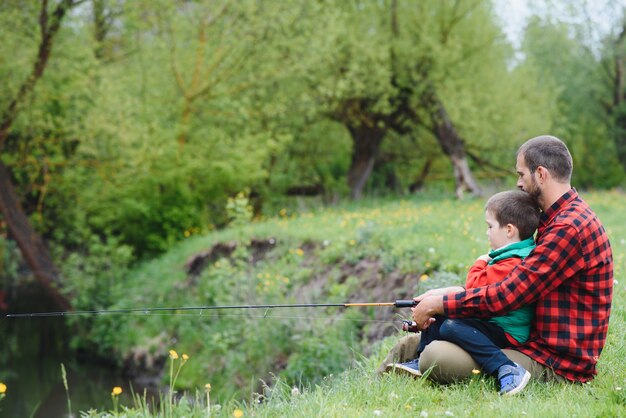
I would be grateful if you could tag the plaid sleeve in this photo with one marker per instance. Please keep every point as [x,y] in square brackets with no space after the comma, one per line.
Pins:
[557,258]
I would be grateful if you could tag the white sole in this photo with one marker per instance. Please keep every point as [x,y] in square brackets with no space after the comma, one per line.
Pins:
[397,367]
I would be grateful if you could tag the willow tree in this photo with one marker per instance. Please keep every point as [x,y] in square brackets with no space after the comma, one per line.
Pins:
[415,69]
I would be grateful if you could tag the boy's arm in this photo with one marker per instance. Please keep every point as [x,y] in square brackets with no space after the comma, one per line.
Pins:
[482,274]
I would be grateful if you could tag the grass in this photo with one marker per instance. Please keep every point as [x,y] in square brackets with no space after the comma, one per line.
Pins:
[429,237]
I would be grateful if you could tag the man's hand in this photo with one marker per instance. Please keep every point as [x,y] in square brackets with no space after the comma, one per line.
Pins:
[426,309]
[438,292]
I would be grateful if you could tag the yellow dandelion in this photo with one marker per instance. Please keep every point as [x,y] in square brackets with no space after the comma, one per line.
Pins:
[475,371]
[299,252]
[424,277]
[237,413]
[185,357]
[352,242]
[173,354]
[207,387]
[116,391]
[3,388]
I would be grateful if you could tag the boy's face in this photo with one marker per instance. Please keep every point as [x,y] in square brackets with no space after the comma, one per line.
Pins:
[499,235]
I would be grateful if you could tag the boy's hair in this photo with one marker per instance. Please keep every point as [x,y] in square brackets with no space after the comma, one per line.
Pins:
[517,208]
[549,152]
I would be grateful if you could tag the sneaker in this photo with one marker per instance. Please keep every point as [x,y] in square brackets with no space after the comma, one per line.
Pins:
[411,368]
[512,379]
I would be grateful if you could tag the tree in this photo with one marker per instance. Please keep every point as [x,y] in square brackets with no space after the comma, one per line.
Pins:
[416,69]
[30,243]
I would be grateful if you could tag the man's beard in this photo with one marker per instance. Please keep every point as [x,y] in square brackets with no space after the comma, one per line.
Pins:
[534,191]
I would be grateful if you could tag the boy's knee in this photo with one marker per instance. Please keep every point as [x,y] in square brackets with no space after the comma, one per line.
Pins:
[449,329]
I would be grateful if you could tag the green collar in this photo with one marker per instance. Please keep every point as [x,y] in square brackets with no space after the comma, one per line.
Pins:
[518,249]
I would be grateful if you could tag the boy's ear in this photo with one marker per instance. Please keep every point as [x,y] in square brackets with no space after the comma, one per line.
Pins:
[511,230]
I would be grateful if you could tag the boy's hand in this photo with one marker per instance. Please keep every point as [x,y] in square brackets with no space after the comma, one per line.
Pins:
[485,258]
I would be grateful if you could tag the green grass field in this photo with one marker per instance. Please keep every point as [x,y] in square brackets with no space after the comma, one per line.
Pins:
[321,362]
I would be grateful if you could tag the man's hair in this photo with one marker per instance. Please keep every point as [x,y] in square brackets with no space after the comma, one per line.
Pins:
[517,208]
[549,152]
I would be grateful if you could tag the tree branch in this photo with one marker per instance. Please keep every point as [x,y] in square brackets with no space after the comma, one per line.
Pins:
[48,28]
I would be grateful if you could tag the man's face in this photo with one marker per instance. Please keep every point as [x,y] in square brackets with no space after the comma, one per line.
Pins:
[526,180]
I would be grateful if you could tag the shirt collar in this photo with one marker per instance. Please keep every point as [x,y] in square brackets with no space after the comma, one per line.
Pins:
[567,197]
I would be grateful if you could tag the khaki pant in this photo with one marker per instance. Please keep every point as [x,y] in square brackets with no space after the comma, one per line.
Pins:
[448,362]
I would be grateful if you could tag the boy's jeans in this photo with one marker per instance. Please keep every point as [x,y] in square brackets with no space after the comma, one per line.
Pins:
[482,340]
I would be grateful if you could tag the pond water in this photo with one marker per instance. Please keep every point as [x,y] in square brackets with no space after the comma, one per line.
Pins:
[33,350]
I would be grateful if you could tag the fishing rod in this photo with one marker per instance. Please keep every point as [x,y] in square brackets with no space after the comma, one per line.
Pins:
[396,304]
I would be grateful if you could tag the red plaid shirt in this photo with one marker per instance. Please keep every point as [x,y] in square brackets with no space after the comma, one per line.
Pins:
[570,277]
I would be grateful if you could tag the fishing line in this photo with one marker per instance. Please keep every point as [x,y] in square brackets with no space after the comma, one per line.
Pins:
[211,316]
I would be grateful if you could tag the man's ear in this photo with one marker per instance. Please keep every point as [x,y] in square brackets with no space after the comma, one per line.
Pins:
[542,173]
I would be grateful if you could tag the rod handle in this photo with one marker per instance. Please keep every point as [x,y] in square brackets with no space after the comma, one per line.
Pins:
[405,303]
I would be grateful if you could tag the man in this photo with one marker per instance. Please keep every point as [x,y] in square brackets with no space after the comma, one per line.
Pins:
[569,276]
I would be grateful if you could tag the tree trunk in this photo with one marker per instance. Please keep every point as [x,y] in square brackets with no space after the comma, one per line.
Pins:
[30,243]
[366,142]
[454,147]
[418,184]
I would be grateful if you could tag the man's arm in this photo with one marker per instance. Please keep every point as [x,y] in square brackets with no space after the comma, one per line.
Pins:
[557,258]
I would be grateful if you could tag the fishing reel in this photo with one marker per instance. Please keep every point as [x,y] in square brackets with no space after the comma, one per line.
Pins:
[409,326]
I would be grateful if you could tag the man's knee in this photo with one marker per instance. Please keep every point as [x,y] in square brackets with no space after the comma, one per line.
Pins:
[537,370]
[404,350]
[446,362]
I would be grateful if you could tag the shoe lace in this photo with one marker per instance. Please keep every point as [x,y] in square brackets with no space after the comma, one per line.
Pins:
[506,380]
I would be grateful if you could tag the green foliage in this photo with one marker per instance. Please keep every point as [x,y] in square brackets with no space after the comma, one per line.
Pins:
[91,277]
[579,80]
[143,132]
[239,210]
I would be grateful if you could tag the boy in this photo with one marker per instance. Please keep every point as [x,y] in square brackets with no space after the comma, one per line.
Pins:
[512,218]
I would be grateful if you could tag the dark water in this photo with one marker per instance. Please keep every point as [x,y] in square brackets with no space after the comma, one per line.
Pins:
[31,355]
